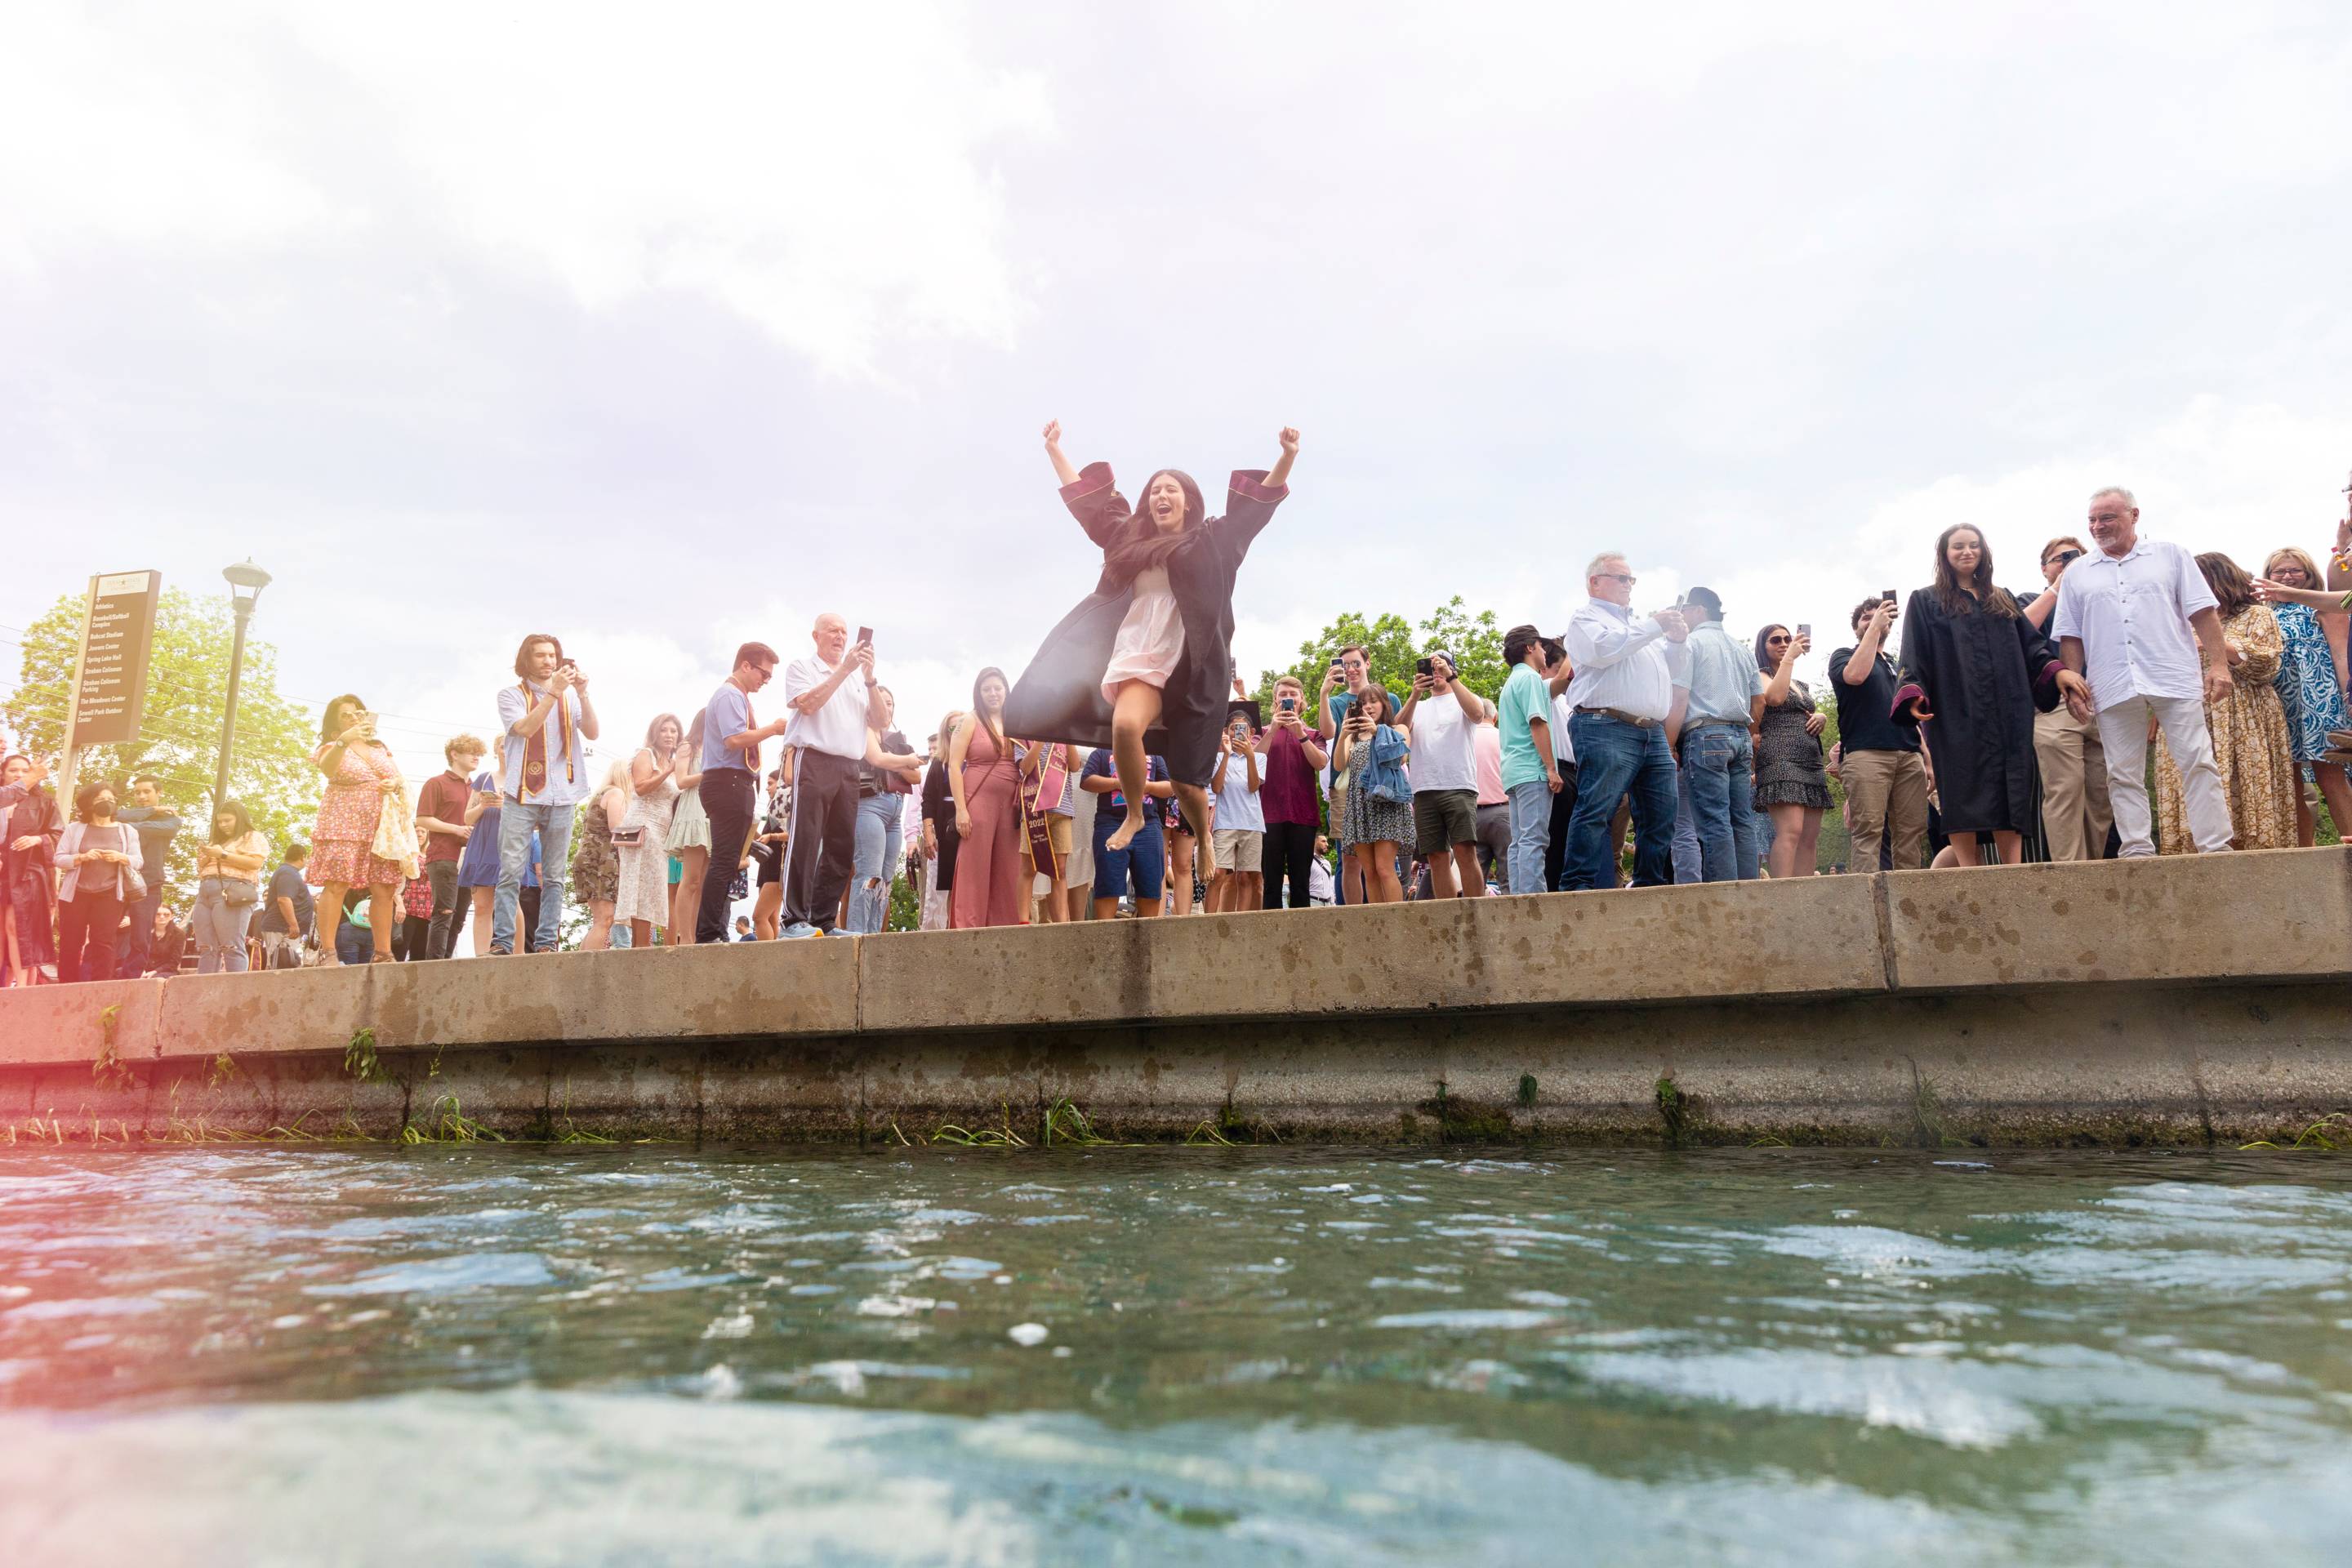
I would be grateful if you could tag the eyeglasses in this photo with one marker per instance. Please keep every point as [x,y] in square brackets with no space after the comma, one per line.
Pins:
[2063,557]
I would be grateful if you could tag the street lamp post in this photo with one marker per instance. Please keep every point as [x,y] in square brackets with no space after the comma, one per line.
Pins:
[245,582]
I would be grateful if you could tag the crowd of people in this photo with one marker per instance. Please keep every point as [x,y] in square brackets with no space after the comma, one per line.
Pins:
[1974,727]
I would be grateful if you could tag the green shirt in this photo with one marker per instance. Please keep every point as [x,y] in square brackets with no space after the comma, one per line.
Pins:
[1525,695]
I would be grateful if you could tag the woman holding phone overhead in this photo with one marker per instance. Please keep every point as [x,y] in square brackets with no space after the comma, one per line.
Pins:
[1975,669]
[1141,665]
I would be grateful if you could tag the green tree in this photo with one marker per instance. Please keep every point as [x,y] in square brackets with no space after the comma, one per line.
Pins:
[1391,643]
[179,732]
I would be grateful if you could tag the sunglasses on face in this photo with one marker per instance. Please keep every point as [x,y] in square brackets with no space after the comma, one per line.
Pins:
[2063,557]
[1625,577]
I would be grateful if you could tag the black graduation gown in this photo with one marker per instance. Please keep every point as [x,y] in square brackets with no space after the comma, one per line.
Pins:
[25,874]
[1059,697]
[1984,677]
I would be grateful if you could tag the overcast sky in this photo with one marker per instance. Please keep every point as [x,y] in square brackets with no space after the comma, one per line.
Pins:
[664,327]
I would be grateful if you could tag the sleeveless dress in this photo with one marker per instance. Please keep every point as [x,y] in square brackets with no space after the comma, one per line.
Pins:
[1150,641]
[689,825]
[1787,761]
[2306,683]
[645,866]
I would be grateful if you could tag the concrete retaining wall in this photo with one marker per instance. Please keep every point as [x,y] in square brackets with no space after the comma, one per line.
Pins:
[2174,1001]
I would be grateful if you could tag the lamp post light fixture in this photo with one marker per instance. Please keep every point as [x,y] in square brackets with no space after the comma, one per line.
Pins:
[245,582]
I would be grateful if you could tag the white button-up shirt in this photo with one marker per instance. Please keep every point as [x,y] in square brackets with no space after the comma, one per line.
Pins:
[838,727]
[2132,614]
[1623,663]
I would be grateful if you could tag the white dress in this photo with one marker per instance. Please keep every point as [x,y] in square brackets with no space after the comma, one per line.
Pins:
[1151,640]
[644,865]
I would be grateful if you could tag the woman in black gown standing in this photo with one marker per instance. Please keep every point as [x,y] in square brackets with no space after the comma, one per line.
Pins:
[1974,672]
[1142,665]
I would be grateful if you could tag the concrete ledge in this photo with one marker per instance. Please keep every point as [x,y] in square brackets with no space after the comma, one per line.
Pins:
[772,990]
[1809,937]
[2179,1001]
[67,1023]
[2274,914]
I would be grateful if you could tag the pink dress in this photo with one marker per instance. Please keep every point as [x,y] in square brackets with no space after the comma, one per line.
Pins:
[342,845]
[1150,641]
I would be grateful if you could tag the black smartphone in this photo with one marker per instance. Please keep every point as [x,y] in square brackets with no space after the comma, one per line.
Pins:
[1423,667]
[865,636]
[1287,705]
[1887,594]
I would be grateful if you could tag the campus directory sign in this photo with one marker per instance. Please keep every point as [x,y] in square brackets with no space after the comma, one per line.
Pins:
[113,688]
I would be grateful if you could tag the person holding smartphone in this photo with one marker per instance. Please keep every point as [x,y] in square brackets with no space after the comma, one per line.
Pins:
[1441,716]
[833,701]
[546,721]
[1237,844]
[1293,756]
[361,777]
[1885,779]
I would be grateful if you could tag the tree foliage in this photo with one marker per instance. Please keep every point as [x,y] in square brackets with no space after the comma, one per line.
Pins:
[179,732]
[1391,645]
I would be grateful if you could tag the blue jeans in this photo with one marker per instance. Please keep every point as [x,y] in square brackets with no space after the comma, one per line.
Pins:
[880,824]
[554,824]
[220,927]
[1688,864]
[1614,760]
[1718,762]
[1530,835]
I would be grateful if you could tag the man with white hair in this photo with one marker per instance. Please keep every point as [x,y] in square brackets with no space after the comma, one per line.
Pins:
[833,700]
[1626,675]
[2125,620]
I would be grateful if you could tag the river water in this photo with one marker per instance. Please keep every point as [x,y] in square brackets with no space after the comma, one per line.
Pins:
[260,1355]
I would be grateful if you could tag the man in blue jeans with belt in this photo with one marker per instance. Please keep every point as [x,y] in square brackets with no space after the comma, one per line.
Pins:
[545,722]
[1626,673]
[1726,701]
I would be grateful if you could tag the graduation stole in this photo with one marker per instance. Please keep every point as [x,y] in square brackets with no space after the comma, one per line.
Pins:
[534,745]
[1038,794]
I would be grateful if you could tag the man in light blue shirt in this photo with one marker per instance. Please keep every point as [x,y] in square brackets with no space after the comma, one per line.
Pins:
[545,722]
[1718,762]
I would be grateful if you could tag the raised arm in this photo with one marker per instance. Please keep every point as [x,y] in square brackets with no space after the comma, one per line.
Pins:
[1279,475]
[1063,471]
[1776,690]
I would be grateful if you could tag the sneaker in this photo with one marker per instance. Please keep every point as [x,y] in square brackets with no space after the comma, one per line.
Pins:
[797,930]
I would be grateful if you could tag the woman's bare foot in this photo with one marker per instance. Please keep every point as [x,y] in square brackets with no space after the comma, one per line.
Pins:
[1124,834]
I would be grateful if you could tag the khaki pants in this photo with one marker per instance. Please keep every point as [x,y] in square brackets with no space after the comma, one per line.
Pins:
[2075,810]
[1885,799]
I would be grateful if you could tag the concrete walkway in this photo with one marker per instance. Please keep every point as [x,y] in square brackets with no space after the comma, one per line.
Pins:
[2178,1002]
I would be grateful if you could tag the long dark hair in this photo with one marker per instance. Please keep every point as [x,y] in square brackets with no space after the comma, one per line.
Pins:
[1140,543]
[1955,598]
[2228,582]
[326,731]
[1375,693]
[995,727]
[1764,659]
[234,810]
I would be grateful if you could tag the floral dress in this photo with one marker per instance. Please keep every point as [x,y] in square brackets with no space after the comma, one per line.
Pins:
[2306,683]
[595,864]
[1370,819]
[2251,747]
[343,844]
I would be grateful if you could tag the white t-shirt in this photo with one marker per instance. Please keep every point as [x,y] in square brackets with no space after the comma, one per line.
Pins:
[1562,711]
[1239,809]
[1443,756]
[838,727]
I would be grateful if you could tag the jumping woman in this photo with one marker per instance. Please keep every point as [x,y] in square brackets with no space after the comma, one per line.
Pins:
[1143,663]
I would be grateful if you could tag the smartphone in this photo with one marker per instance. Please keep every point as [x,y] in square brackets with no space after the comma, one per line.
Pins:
[1804,628]
[367,722]
[1423,667]
[1287,705]
[866,637]
[1887,594]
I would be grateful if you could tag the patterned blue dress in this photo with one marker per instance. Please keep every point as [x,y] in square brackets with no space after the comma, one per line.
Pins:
[2306,683]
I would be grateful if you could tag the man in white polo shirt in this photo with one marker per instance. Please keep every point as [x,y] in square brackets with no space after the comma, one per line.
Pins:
[2125,620]
[833,699]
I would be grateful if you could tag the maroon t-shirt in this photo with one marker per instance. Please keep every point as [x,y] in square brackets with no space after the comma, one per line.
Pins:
[1288,792]
[444,795]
